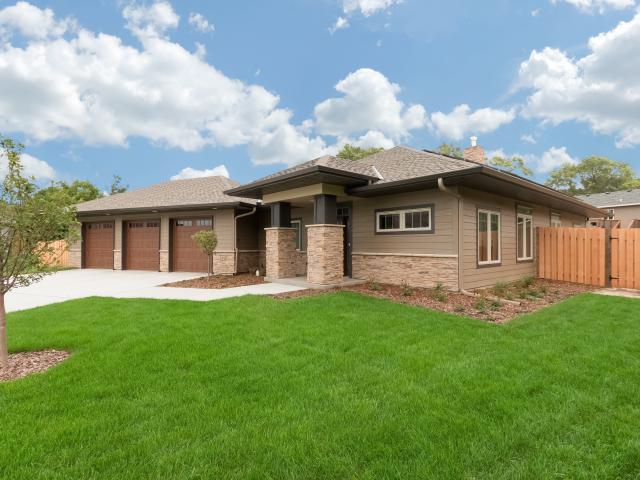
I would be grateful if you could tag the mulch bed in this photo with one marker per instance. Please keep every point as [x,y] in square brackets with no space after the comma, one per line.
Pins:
[518,298]
[218,281]
[25,363]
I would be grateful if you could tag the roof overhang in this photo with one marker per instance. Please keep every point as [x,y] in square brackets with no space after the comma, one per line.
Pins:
[489,180]
[165,208]
[301,178]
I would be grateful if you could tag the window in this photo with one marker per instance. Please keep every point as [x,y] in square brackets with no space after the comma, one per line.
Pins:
[297,225]
[204,222]
[488,237]
[524,233]
[556,221]
[184,223]
[406,220]
[108,226]
[153,224]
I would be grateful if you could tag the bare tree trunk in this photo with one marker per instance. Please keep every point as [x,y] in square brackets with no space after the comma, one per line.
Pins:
[4,352]
[210,266]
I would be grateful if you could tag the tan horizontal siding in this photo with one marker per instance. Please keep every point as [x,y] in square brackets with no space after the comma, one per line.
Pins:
[443,241]
[510,269]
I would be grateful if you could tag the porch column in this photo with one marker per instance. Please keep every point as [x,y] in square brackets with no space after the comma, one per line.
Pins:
[325,247]
[280,243]
[165,232]
[117,243]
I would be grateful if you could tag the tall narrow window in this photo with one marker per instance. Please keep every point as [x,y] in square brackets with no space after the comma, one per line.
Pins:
[556,221]
[488,237]
[524,233]
[296,224]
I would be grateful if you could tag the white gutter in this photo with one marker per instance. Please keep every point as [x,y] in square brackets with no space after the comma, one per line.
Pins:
[235,235]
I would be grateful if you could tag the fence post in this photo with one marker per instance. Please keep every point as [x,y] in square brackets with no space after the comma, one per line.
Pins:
[607,257]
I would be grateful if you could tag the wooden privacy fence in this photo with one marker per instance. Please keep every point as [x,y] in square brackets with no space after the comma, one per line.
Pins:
[572,254]
[59,256]
[593,256]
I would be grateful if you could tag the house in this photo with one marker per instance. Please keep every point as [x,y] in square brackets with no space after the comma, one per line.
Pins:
[623,205]
[401,215]
[151,228]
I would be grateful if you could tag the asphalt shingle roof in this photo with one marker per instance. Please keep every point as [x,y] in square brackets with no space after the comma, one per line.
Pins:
[176,193]
[611,199]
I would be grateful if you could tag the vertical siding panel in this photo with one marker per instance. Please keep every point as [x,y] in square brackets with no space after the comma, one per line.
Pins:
[615,259]
[580,255]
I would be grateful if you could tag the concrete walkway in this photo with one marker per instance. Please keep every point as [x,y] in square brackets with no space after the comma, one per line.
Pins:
[619,292]
[72,284]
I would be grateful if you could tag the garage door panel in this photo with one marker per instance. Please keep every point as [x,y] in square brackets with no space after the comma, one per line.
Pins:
[142,245]
[98,245]
[185,254]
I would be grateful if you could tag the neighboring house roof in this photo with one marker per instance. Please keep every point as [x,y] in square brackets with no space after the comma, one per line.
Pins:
[613,199]
[189,193]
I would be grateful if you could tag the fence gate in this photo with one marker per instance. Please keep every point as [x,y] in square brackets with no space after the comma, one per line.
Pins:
[625,258]
[573,255]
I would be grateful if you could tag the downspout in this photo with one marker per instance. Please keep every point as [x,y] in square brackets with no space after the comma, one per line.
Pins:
[235,236]
[445,189]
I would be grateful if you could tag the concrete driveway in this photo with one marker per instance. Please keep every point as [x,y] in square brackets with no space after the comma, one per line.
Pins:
[72,284]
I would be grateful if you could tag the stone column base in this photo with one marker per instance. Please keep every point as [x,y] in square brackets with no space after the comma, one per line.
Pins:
[117,259]
[281,252]
[164,260]
[325,257]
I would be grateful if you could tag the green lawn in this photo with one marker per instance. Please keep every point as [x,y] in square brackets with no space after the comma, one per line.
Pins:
[335,386]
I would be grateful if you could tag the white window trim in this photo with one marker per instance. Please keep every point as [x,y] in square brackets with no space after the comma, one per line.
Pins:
[525,217]
[299,245]
[402,219]
[555,216]
[489,245]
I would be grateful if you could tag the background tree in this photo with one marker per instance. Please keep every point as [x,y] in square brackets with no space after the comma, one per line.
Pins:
[513,165]
[28,222]
[116,185]
[76,192]
[351,152]
[207,241]
[593,175]
[450,150]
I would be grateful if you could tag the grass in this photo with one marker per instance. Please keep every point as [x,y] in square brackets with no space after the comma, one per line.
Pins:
[333,386]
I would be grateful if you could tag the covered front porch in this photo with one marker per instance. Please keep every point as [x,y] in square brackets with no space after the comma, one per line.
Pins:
[309,239]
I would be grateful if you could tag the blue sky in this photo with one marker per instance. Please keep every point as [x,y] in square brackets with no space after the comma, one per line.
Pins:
[152,90]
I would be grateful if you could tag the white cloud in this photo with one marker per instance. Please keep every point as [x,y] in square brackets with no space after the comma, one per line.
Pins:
[535,13]
[601,89]
[553,158]
[31,167]
[461,121]
[189,172]
[95,88]
[33,22]
[341,22]
[369,102]
[150,20]
[367,7]
[600,6]
[200,23]
[527,137]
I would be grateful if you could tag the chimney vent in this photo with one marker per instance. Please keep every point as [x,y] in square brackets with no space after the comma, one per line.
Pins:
[474,153]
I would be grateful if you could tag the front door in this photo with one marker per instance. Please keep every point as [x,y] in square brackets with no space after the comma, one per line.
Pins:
[344,218]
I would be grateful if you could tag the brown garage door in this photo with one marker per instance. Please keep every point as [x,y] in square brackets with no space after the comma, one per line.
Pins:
[142,245]
[185,254]
[98,245]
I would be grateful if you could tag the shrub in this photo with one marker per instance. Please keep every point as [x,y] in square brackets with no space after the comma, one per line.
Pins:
[373,285]
[495,305]
[481,304]
[406,290]
[526,282]
[500,289]
[438,293]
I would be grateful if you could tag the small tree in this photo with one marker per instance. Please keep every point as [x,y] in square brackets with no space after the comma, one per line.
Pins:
[28,223]
[593,175]
[450,149]
[207,241]
[513,165]
[116,185]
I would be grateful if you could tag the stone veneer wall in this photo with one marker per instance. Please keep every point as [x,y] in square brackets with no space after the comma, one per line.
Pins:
[280,252]
[75,249]
[301,263]
[248,261]
[164,260]
[415,270]
[224,263]
[325,260]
